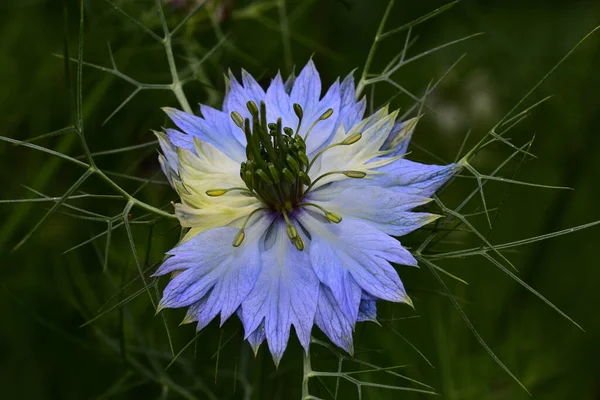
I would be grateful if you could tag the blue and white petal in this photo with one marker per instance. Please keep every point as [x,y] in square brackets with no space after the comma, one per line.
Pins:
[383,208]
[208,132]
[285,294]
[360,249]
[213,276]
[333,321]
[205,169]
[368,308]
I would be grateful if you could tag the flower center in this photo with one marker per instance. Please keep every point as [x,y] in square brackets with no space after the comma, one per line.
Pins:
[277,167]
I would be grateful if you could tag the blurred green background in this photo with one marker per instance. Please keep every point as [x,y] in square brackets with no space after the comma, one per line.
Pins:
[46,296]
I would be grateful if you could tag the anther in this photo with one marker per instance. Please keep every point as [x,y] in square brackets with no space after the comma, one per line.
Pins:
[351,139]
[304,178]
[216,192]
[252,108]
[299,114]
[221,192]
[303,158]
[288,174]
[323,117]
[273,172]
[291,231]
[239,238]
[237,119]
[292,163]
[299,243]
[298,110]
[333,217]
[264,176]
[326,114]
[355,174]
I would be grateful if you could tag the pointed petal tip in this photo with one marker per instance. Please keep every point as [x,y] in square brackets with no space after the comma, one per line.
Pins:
[433,217]
[188,319]
[351,351]
[277,359]
[375,322]
[407,300]
[255,350]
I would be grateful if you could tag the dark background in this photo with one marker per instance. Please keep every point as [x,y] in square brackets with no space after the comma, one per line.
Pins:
[45,295]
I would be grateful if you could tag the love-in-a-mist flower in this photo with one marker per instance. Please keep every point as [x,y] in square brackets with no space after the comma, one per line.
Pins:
[293,203]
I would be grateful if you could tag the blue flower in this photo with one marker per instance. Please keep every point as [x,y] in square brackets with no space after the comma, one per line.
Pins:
[293,202]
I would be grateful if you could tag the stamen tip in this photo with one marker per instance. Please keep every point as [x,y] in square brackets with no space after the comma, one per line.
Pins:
[326,114]
[298,110]
[239,238]
[333,217]
[355,174]
[352,139]
[299,243]
[216,192]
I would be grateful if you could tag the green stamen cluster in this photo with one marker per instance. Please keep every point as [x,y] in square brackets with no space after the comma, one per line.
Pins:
[277,167]
[277,164]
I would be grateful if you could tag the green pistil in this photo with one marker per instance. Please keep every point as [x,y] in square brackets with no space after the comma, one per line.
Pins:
[277,164]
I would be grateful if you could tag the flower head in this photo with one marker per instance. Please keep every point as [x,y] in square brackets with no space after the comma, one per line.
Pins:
[293,202]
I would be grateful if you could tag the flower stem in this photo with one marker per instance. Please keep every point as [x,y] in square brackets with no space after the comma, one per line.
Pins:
[176,85]
[363,78]
[306,374]
[129,197]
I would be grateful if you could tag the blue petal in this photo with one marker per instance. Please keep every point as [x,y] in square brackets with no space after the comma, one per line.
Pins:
[216,276]
[238,95]
[180,140]
[279,105]
[306,91]
[307,88]
[368,309]
[257,337]
[323,131]
[414,178]
[351,111]
[404,176]
[222,139]
[364,251]
[285,294]
[168,147]
[222,122]
[332,320]
[331,271]
[399,138]
[201,313]
[168,160]
[385,209]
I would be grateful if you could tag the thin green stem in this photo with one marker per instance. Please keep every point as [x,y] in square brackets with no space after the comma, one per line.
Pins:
[176,85]
[363,78]
[307,374]
[132,199]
